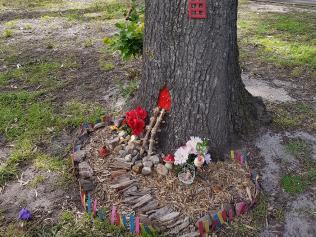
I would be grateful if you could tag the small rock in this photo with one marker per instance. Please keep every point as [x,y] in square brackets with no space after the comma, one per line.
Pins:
[86,184]
[137,168]
[146,171]
[146,158]
[99,125]
[128,158]
[85,170]
[113,141]
[148,164]
[133,138]
[138,162]
[122,153]
[118,148]
[130,147]
[135,158]
[134,152]
[155,159]
[162,170]
[79,156]
[122,134]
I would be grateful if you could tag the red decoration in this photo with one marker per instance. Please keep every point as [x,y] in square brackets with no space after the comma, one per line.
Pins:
[135,119]
[197,9]
[164,101]
[103,152]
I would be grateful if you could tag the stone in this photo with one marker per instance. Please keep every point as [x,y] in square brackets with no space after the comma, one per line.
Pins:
[85,170]
[146,158]
[128,158]
[130,147]
[135,159]
[117,173]
[121,164]
[79,156]
[122,134]
[118,148]
[146,171]
[122,153]
[135,152]
[148,164]
[113,141]
[137,168]
[155,159]
[99,125]
[162,170]
[86,184]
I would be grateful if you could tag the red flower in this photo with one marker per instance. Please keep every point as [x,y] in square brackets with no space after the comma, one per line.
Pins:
[135,120]
[141,113]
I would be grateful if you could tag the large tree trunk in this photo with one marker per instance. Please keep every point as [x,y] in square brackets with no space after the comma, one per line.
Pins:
[198,61]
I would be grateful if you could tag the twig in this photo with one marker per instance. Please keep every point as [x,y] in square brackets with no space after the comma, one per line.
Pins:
[154,131]
[149,128]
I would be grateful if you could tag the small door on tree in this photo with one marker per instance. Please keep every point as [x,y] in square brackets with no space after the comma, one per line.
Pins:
[197,9]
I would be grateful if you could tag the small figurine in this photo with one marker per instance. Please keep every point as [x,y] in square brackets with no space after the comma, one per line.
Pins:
[169,161]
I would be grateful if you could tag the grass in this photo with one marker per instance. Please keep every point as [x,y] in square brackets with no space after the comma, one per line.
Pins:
[7,33]
[300,149]
[296,184]
[107,66]
[39,179]
[286,40]
[129,89]
[293,116]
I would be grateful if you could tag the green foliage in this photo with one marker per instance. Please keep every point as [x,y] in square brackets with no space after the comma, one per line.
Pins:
[129,89]
[285,39]
[7,33]
[129,39]
[300,149]
[292,184]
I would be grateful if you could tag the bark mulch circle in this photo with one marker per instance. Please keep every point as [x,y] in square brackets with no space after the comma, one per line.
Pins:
[220,192]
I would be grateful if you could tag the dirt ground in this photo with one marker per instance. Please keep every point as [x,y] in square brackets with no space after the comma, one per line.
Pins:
[73,33]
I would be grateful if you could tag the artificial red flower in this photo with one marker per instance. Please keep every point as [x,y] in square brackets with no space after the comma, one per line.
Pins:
[164,101]
[141,113]
[137,125]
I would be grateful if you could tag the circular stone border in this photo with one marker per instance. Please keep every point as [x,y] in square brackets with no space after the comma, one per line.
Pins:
[206,224]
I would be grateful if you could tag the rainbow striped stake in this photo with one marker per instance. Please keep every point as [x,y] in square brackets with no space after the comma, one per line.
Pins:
[132,223]
[232,154]
[201,229]
[95,208]
[137,230]
[83,198]
[124,220]
[113,215]
[118,219]
[89,204]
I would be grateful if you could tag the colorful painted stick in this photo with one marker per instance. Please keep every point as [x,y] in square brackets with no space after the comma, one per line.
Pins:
[95,208]
[118,219]
[232,154]
[206,226]
[124,220]
[217,221]
[224,215]
[201,229]
[219,214]
[113,215]
[132,223]
[89,204]
[137,225]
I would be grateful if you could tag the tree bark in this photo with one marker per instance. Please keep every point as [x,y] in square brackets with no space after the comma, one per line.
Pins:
[198,61]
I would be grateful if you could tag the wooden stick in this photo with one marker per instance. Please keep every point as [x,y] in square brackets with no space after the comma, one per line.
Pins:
[154,131]
[150,126]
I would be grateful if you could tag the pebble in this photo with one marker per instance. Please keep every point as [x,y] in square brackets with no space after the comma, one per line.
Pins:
[135,158]
[118,148]
[162,170]
[148,164]
[86,184]
[137,168]
[85,170]
[113,141]
[122,153]
[122,134]
[128,158]
[130,147]
[155,159]
[79,156]
[146,171]
[99,125]
[134,152]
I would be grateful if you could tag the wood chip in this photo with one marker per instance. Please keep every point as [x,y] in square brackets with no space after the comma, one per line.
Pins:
[117,164]
[169,216]
[142,200]
[121,185]
[177,229]
[117,173]
[160,212]
[149,206]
